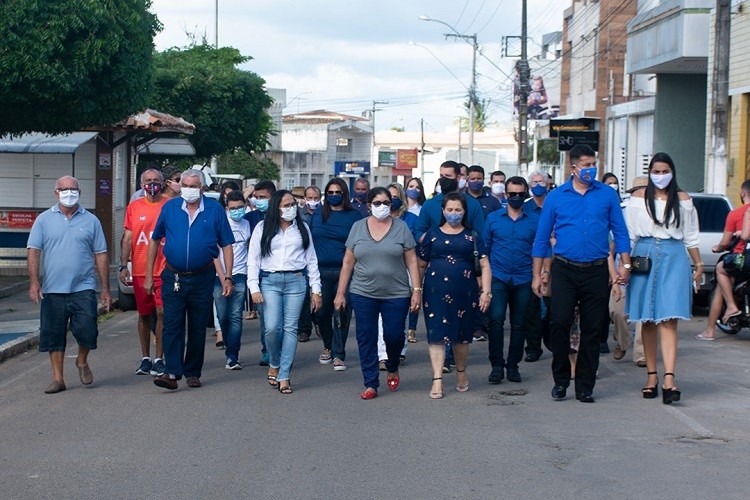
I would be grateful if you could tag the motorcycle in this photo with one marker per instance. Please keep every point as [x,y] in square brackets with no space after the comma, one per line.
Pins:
[735,264]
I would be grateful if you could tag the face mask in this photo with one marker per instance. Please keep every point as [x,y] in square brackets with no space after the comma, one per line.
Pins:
[252,201]
[335,199]
[288,213]
[190,195]
[395,204]
[175,186]
[461,183]
[438,189]
[614,186]
[412,194]
[453,218]
[447,185]
[261,204]
[516,202]
[538,190]
[152,188]
[68,198]
[475,185]
[381,212]
[360,196]
[587,175]
[312,204]
[236,214]
[498,188]
[661,181]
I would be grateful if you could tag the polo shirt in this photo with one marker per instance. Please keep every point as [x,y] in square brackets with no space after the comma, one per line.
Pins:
[530,207]
[254,217]
[329,237]
[192,246]
[432,210]
[581,223]
[361,207]
[509,243]
[488,202]
[69,246]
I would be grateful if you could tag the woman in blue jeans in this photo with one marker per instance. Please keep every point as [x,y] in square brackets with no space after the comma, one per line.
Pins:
[280,256]
[330,226]
[379,258]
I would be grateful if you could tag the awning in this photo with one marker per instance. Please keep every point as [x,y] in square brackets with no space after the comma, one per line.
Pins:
[44,143]
[171,146]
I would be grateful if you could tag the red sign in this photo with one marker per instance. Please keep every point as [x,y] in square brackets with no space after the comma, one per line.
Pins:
[406,159]
[21,220]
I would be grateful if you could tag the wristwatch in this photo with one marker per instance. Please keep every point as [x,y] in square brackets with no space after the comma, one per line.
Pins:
[627,266]
[122,268]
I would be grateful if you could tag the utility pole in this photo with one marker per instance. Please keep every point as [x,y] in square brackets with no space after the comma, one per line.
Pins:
[216,25]
[523,96]
[472,89]
[421,149]
[717,158]
[372,117]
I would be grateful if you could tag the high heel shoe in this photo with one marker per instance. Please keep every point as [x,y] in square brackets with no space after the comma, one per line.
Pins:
[462,387]
[393,382]
[670,395]
[651,392]
[437,395]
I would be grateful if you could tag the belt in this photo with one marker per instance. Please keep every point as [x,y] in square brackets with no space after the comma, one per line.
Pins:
[190,273]
[593,263]
[283,272]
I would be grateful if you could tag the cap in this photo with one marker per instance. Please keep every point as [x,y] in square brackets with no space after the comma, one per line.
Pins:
[639,182]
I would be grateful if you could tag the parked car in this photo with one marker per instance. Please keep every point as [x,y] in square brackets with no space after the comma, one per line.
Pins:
[125,296]
[712,214]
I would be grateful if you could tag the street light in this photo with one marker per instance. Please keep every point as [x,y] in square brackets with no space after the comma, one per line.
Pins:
[472,89]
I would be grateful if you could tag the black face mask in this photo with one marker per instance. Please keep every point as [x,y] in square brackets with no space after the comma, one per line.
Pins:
[448,185]
[516,202]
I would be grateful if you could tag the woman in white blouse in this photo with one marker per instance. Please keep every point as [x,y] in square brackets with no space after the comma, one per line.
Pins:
[281,253]
[662,223]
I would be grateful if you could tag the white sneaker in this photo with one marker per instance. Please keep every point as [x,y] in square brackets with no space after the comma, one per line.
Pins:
[338,365]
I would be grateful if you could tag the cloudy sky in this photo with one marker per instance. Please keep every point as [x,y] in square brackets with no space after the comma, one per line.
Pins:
[343,55]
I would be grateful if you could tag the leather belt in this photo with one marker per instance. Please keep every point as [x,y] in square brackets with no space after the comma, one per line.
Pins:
[593,263]
[190,273]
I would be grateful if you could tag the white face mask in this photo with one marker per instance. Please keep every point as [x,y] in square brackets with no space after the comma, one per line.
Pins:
[498,188]
[461,183]
[190,195]
[661,181]
[613,186]
[438,189]
[312,204]
[69,197]
[288,213]
[381,212]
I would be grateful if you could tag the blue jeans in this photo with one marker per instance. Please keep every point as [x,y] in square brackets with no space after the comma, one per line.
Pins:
[393,312]
[334,325]
[191,305]
[79,309]
[283,296]
[517,297]
[229,310]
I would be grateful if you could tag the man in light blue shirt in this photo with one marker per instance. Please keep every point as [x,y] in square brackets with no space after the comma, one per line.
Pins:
[73,243]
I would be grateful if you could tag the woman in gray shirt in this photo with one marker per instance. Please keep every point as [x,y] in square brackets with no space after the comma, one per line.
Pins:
[379,258]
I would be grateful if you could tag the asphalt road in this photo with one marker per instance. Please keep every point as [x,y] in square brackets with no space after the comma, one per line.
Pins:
[122,437]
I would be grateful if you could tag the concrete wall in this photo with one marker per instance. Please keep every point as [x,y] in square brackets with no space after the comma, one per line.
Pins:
[679,125]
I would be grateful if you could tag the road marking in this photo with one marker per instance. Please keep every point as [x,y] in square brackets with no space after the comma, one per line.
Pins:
[689,421]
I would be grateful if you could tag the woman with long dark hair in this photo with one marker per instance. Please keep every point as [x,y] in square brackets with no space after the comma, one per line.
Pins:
[330,226]
[281,254]
[662,223]
[379,259]
[415,196]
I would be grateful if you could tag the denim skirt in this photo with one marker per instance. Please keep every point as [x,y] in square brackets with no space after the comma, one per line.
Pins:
[666,291]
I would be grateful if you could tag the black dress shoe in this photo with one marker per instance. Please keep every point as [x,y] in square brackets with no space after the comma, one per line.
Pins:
[512,375]
[603,348]
[303,336]
[559,392]
[532,356]
[166,382]
[585,397]
[496,376]
[193,382]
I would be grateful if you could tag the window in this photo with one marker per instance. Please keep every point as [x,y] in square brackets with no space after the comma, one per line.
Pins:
[343,145]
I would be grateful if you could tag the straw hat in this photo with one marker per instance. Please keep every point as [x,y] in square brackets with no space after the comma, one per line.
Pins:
[639,182]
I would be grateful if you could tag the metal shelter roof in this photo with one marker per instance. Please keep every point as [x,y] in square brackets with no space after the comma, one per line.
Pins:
[45,143]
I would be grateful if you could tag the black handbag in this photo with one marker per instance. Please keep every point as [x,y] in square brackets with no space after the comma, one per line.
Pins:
[477,264]
[640,265]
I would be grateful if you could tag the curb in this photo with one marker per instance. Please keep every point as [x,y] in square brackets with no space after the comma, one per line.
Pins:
[13,289]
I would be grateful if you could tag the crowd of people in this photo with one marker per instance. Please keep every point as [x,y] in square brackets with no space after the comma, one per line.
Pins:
[553,261]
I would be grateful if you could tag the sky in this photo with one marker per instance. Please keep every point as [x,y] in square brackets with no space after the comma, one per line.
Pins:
[343,55]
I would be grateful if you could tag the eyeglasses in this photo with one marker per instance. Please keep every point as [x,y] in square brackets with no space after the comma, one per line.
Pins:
[334,192]
[68,190]
[515,195]
[378,203]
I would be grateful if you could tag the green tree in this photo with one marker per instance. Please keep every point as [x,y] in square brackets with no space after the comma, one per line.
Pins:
[203,85]
[68,64]
[249,165]
[480,115]
[547,153]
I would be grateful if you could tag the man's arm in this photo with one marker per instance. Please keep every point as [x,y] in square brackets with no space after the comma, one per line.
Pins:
[227,284]
[102,269]
[125,250]
[148,280]
[32,264]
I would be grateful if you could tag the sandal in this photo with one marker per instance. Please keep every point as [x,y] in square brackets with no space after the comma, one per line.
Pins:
[670,395]
[437,395]
[272,379]
[462,387]
[651,392]
[727,317]
[287,389]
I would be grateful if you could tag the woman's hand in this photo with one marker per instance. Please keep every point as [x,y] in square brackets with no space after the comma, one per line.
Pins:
[616,291]
[339,302]
[697,277]
[316,301]
[257,297]
[416,300]
[484,301]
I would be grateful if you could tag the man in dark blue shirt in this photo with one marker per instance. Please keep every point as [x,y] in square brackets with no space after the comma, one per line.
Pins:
[509,236]
[359,200]
[195,228]
[581,212]
[476,189]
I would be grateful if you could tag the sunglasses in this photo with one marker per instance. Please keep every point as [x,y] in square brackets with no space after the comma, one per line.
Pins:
[378,203]
[515,195]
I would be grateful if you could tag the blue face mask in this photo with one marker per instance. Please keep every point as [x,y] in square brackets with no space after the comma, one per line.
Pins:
[412,194]
[476,185]
[395,204]
[236,214]
[587,175]
[261,204]
[538,190]
[454,219]
[335,199]
[360,196]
